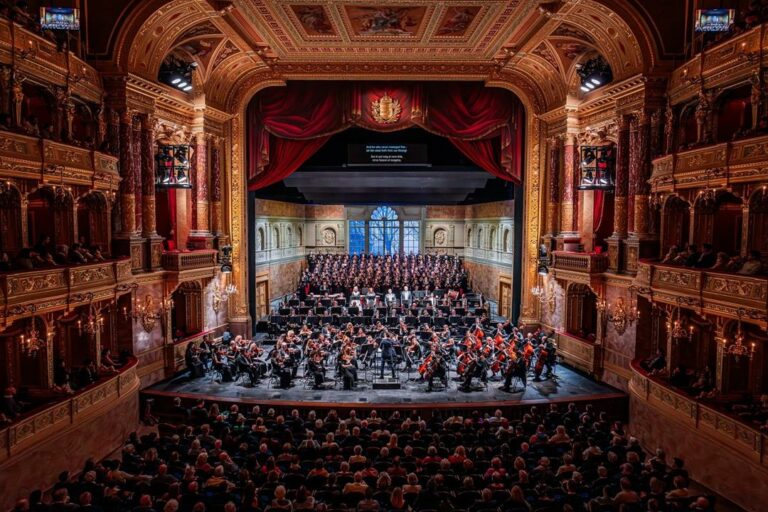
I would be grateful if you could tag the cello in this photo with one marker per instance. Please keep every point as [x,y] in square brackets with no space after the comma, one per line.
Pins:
[541,358]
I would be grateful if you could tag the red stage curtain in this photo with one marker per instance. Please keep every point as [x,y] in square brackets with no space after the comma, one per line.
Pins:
[287,125]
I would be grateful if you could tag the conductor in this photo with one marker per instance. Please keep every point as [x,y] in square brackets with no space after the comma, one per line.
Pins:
[387,347]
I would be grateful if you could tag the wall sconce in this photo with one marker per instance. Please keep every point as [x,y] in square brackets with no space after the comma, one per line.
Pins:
[146,312]
[221,295]
[31,341]
[675,328]
[92,322]
[619,314]
[738,348]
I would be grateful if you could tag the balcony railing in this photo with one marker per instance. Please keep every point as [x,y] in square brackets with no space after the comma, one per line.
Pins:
[38,291]
[31,428]
[711,166]
[700,416]
[589,263]
[56,163]
[722,293]
[176,261]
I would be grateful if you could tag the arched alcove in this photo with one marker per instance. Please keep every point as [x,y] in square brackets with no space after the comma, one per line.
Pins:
[675,223]
[718,218]
[50,213]
[581,311]
[93,227]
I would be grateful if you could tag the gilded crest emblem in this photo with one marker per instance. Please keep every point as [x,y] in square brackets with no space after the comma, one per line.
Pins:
[386,110]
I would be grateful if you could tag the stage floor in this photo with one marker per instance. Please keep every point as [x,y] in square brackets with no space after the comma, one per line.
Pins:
[567,386]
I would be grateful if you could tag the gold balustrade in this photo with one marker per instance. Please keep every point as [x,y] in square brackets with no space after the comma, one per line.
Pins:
[717,293]
[578,352]
[580,262]
[39,291]
[747,440]
[180,261]
[39,425]
[717,165]
[48,63]
[56,163]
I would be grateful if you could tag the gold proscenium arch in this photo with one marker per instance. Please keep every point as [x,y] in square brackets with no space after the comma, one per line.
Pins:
[537,72]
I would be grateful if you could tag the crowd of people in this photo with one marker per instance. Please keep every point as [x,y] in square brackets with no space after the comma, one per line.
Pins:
[553,459]
[46,254]
[707,258]
[66,381]
[341,273]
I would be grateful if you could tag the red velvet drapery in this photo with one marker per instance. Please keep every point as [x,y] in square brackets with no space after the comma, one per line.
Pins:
[288,125]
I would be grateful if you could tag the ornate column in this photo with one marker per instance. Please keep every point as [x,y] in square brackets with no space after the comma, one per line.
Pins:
[553,203]
[200,237]
[657,134]
[127,185]
[616,247]
[641,243]
[217,220]
[704,118]
[569,217]
[154,242]
[17,97]
[126,242]
[138,170]
[669,129]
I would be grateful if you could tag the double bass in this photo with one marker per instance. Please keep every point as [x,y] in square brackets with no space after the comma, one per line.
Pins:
[541,358]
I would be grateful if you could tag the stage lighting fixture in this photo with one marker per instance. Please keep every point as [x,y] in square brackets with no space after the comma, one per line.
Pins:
[177,73]
[594,73]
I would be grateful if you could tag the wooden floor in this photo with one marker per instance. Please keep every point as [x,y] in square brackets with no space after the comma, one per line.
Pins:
[567,386]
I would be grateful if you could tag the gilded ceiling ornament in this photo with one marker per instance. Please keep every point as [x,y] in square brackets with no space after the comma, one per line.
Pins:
[386,110]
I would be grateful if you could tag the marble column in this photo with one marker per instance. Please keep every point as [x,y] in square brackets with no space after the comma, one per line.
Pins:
[569,217]
[128,183]
[217,222]
[643,174]
[154,242]
[138,171]
[553,202]
[616,248]
[200,237]
[641,242]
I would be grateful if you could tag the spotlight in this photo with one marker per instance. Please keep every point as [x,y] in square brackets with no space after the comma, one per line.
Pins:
[176,80]
[585,89]
[595,81]
[181,84]
[594,73]
[590,85]
[187,88]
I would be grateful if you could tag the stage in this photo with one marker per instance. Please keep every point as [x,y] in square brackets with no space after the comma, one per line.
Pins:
[567,386]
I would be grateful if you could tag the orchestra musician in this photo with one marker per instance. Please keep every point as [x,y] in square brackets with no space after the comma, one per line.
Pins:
[477,367]
[347,369]
[437,368]
[317,369]
[515,368]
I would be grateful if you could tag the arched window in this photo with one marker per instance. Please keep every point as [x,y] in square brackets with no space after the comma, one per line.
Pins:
[276,238]
[384,231]
[289,237]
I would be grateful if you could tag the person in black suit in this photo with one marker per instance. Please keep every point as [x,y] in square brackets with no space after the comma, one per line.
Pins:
[387,347]
[707,257]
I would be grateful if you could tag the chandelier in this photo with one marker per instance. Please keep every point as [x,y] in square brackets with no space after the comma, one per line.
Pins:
[92,322]
[221,295]
[31,342]
[738,348]
[675,328]
[620,315]
[148,313]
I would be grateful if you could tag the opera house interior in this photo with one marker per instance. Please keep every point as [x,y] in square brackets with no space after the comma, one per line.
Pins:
[386,255]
